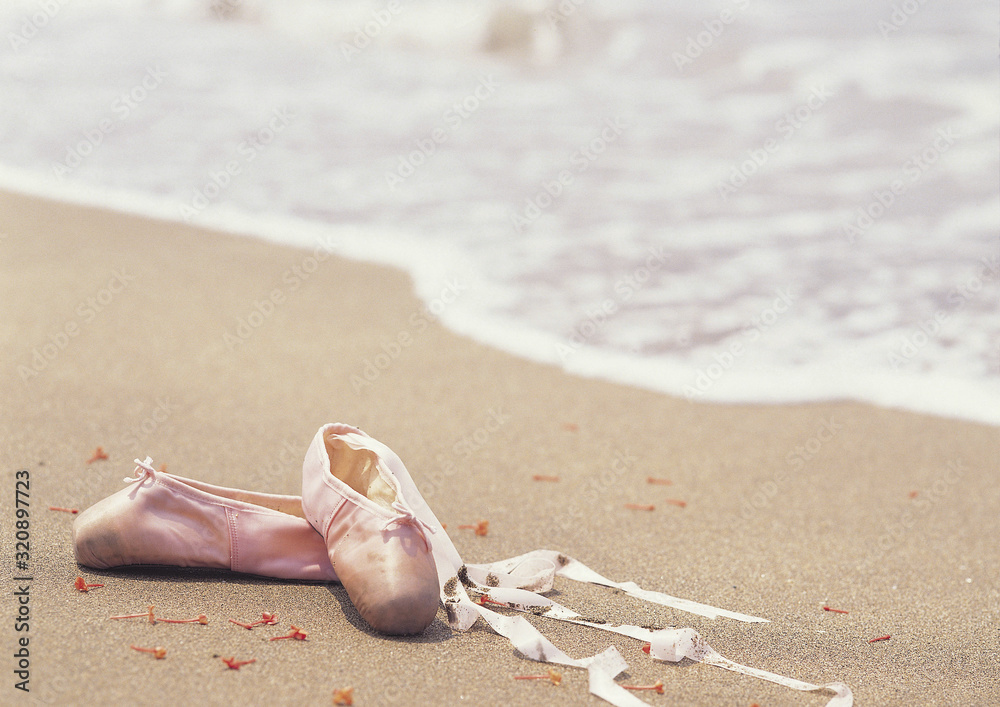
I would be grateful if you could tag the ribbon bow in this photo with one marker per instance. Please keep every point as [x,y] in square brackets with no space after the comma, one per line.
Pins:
[406,516]
[142,470]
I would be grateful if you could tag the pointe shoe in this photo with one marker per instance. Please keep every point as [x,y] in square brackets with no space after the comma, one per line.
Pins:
[379,548]
[162,519]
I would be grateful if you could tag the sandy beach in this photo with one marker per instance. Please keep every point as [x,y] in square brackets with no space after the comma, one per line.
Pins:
[220,356]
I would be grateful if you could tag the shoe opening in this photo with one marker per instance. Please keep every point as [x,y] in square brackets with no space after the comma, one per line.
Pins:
[358,468]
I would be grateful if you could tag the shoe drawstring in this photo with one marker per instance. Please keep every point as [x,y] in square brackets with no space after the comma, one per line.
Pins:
[406,516]
[142,470]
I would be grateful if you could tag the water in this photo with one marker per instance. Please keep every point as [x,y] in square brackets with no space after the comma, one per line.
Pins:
[732,201]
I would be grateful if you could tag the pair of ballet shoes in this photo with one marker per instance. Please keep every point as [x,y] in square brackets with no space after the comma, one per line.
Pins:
[353,524]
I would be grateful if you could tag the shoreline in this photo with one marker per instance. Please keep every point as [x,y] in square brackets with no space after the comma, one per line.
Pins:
[152,372]
[713,383]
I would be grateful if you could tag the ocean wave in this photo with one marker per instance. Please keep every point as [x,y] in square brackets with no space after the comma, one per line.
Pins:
[687,198]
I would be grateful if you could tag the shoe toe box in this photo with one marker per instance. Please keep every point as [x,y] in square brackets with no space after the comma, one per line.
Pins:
[391,580]
[97,540]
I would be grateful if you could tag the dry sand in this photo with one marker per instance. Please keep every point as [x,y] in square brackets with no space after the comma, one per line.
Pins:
[148,369]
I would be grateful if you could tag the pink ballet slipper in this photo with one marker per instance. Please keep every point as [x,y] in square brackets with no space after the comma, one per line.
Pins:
[379,548]
[162,519]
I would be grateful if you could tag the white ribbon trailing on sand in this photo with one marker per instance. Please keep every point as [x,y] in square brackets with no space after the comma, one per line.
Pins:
[541,565]
[517,583]
[675,644]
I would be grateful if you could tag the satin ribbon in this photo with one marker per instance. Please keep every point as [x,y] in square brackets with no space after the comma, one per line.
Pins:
[142,470]
[406,516]
[516,583]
